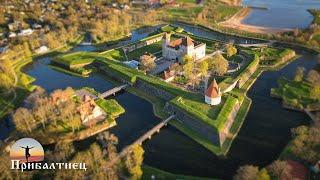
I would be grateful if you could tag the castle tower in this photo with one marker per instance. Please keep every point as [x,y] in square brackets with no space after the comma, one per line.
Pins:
[165,43]
[188,44]
[213,94]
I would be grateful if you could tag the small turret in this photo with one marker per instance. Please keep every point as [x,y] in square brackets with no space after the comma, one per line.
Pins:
[213,94]
[166,39]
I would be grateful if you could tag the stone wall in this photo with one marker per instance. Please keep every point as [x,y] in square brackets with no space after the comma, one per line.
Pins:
[206,131]
[138,45]
[232,116]
[249,71]
[153,91]
[196,125]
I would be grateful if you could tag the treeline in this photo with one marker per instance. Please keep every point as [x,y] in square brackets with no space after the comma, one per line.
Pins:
[99,158]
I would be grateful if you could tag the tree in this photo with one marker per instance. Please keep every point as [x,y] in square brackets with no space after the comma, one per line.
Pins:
[193,80]
[299,74]
[219,65]
[203,67]
[315,92]
[62,152]
[313,77]
[305,143]
[133,161]
[188,65]
[24,120]
[279,169]
[247,172]
[231,50]
[263,175]
[147,63]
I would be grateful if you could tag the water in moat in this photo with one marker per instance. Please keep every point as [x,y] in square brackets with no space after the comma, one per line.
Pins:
[264,133]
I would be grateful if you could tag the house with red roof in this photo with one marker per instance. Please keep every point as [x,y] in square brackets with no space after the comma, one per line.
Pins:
[177,49]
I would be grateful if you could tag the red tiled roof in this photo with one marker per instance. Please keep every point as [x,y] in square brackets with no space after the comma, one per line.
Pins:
[297,170]
[168,74]
[175,43]
[186,41]
[213,90]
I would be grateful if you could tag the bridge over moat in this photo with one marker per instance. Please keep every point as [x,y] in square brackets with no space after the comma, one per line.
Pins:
[112,91]
[141,139]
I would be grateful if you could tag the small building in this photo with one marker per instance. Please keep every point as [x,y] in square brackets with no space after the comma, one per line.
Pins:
[36,26]
[12,35]
[296,170]
[25,32]
[170,73]
[89,110]
[132,64]
[213,94]
[42,49]
[177,49]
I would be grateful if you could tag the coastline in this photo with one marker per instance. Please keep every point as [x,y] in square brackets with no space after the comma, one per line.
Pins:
[236,22]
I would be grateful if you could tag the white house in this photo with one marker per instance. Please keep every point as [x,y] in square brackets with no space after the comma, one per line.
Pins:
[177,49]
[42,49]
[213,94]
[12,35]
[25,32]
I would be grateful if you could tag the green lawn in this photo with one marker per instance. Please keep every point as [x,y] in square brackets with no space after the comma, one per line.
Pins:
[111,107]
[114,54]
[77,59]
[186,1]
[296,94]
[152,48]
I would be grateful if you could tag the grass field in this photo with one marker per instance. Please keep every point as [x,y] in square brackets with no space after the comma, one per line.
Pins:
[77,59]
[295,94]
[114,54]
[111,107]
[152,48]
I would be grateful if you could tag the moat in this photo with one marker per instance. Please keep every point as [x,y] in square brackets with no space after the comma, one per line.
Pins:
[262,137]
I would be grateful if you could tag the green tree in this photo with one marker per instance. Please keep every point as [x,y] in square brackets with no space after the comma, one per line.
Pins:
[263,175]
[247,172]
[315,92]
[133,161]
[219,65]
[299,74]
[188,65]
[231,50]
[203,67]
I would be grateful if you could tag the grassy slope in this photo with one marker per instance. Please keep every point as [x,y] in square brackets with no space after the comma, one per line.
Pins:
[74,59]
[111,107]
